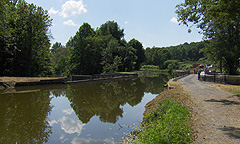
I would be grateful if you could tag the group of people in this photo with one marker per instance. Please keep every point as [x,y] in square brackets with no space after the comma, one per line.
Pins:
[199,70]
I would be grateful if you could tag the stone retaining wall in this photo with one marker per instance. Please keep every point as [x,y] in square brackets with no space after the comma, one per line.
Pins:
[100,76]
[42,82]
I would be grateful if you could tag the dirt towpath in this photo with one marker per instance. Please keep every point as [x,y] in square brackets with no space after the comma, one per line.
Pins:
[216,113]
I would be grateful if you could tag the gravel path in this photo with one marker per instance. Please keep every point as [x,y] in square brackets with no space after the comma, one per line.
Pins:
[216,114]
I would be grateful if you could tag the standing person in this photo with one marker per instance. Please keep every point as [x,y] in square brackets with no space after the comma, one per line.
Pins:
[199,72]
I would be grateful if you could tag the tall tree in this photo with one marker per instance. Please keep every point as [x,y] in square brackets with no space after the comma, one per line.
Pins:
[111,28]
[25,45]
[79,50]
[55,46]
[219,21]
[60,59]
[139,52]
[111,61]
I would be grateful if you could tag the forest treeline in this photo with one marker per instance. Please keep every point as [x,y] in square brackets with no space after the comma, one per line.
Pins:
[26,48]
[105,50]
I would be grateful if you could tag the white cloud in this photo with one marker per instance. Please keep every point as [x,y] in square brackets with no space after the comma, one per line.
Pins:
[71,126]
[77,140]
[68,111]
[126,22]
[52,122]
[69,23]
[174,20]
[52,11]
[72,7]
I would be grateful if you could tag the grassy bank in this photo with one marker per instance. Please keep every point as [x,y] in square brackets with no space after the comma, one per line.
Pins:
[167,119]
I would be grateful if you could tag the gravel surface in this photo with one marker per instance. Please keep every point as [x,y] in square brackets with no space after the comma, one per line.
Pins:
[216,113]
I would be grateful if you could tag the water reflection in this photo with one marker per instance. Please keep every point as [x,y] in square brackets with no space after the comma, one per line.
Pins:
[71,126]
[79,113]
[104,99]
[77,140]
[23,117]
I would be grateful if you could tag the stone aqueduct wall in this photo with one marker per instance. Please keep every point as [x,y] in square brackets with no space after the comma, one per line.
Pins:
[100,76]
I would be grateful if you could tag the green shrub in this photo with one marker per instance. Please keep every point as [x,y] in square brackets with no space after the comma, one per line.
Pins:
[185,66]
[147,67]
[169,123]
[236,92]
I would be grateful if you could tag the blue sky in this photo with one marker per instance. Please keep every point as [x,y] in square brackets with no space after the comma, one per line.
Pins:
[152,22]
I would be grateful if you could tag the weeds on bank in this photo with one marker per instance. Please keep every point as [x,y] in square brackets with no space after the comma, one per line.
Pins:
[236,92]
[169,123]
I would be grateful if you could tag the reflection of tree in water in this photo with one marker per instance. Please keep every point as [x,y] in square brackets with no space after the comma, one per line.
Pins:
[23,117]
[104,98]
[154,85]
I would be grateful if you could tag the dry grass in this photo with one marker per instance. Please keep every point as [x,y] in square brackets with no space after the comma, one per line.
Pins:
[227,88]
[24,79]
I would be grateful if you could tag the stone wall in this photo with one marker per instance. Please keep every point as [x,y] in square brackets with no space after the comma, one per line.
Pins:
[101,76]
[42,82]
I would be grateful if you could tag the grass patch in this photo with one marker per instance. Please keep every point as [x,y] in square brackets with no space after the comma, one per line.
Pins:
[236,92]
[149,67]
[169,123]
[235,89]
[167,119]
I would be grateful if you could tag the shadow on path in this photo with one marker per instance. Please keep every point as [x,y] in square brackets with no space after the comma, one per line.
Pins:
[237,96]
[225,102]
[232,132]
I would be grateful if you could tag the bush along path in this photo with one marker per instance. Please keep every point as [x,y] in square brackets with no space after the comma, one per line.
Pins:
[215,113]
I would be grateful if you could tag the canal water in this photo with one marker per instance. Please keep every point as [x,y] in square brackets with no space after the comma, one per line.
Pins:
[93,112]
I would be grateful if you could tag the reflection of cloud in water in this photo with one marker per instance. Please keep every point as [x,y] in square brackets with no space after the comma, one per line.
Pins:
[63,139]
[52,122]
[91,141]
[71,126]
[68,111]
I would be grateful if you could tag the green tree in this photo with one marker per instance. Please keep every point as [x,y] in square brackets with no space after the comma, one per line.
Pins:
[60,58]
[139,52]
[25,40]
[129,58]
[96,46]
[110,60]
[55,46]
[78,49]
[171,65]
[111,28]
[219,21]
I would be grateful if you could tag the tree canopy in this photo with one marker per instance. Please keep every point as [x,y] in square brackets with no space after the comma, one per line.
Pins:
[219,21]
[25,43]
[25,39]
[103,50]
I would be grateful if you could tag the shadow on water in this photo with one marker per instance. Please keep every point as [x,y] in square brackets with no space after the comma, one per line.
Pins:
[232,132]
[24,112]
